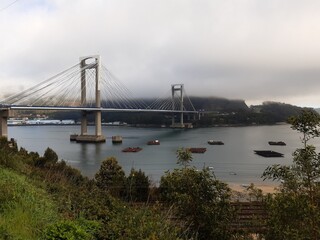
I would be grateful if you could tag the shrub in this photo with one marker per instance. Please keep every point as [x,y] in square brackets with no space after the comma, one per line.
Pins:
[71,230]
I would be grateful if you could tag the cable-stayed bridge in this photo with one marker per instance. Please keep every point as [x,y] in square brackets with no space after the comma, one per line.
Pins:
[90,87]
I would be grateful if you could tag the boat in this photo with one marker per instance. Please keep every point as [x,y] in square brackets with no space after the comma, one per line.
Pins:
[197,150]
[268,153]
[154,142]
[212,142]
[132,149]
[116,139]
[280,143]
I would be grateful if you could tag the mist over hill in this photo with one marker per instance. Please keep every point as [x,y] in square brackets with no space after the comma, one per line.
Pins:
[220,112]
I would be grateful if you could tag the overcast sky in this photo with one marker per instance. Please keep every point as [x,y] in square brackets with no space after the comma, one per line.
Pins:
[254,50]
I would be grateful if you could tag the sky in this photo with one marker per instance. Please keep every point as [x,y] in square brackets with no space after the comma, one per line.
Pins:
[254,50]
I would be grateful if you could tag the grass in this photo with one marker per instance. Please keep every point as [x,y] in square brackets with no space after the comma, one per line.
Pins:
[25,210]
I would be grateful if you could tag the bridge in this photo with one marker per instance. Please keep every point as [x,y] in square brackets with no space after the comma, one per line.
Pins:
[91,88]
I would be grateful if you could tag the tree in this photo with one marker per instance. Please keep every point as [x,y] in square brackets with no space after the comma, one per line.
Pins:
[184,156]
[49,158]
[137,186]
[199,200]
[111,177]
[295,211]
[306,123]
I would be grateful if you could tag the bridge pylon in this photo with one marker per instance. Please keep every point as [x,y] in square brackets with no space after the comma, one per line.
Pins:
[84,136]
[177,88]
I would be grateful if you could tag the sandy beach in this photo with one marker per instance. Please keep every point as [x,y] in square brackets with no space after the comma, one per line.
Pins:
[266,188]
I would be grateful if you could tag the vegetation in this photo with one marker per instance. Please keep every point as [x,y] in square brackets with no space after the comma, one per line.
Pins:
[111,177]
[41,197]
[201,203]
[295,210]
[184,156]
[24,208]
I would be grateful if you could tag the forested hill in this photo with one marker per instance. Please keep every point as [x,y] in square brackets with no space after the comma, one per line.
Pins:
[223,112]
[267,113]
[218,104]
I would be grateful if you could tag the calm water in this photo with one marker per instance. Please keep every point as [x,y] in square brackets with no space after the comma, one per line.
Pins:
[233,162]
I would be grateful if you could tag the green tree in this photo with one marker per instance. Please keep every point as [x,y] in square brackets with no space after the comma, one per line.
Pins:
[137,186]
[111,177]
[49,158]
[184,156]
[295,212]
[199,200]
[306,123]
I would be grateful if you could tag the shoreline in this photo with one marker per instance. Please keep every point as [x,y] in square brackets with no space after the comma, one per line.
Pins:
[266,188]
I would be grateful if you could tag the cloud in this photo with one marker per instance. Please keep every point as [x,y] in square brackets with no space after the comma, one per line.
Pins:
[251,50]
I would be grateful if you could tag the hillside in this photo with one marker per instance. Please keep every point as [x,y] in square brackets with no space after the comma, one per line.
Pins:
[220,111]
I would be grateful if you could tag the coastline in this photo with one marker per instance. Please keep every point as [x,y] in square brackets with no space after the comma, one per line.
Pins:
[266,188]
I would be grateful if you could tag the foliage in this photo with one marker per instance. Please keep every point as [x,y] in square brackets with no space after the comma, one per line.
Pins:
[137,186]
[139,223]
[111,177]
[254,193]
[295,212]
[24,209]
[184,156]
[200,201]
[306,123]
[49,158]
[71,230]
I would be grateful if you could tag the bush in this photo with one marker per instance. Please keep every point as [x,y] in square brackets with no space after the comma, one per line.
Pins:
[71,230]
[199,200]
[137,186]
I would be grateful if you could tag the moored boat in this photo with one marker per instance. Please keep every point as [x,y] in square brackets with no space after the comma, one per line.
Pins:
[132,149]
[197,150]
[154,142]
[212,142]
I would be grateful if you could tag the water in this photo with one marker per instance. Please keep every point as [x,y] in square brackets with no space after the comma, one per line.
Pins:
[234,162]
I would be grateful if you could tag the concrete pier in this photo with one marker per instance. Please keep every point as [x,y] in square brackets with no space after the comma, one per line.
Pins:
[4,115]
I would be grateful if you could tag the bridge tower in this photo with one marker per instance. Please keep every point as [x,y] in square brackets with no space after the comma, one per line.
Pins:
[177,88]
[96,65]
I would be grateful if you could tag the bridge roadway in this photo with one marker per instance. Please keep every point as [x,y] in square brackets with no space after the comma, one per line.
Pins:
[5,113]
[90,109]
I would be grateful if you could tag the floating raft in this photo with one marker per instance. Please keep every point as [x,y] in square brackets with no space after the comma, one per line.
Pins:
[211,142]
[132,149]
[268,153]
[280,143]
[197,150]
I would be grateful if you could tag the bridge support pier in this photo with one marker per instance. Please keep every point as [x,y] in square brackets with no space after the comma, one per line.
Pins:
[4,115]
[84,136]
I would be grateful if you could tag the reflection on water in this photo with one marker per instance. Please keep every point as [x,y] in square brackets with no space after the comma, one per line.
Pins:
[233,162]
